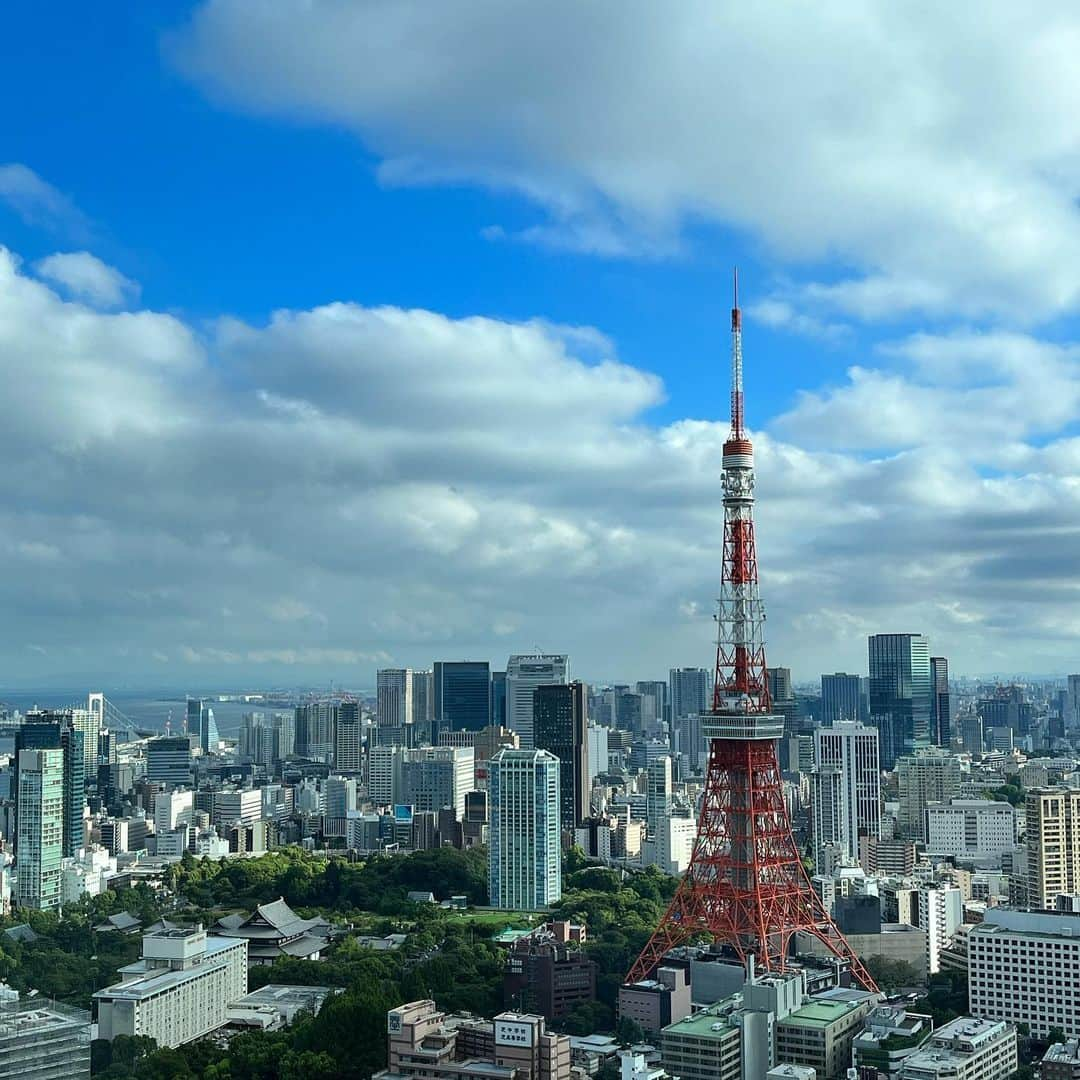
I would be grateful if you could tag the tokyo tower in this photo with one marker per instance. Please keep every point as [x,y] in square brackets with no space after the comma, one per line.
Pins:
[746,886]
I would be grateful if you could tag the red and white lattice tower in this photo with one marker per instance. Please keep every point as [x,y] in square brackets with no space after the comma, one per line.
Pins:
[746,886]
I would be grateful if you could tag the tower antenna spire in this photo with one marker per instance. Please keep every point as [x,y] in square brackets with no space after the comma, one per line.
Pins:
[736,363]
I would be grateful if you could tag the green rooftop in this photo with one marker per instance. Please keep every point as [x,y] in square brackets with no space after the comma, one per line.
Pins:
[511,934]
[700,1024]
[819,1014]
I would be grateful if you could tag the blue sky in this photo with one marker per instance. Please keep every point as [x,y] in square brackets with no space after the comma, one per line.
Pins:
[506,432]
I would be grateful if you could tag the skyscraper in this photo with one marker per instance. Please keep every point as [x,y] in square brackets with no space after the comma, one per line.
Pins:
[433,777]
[168,761]
[348,738]
[657,794]
[523,675]
[462,696]
[940,702]
[40,830]
[498,698]
[524,856]
[840,697]
[929,776]
[1072,703]
[779,684]
[200,722]
[900,693]
[560,721]
[393,706]
[689,693]
[422,706]
[315,724]
[55,730]
[846,786]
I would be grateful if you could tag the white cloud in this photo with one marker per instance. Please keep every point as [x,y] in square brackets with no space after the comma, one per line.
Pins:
[36,201]
[937,159]
[86,277]
[374,485]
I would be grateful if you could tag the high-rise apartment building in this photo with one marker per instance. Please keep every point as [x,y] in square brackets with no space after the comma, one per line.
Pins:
[931,776]
[1071,718]
[461,696]
[55,730]
[940,702]
[200,722]
[560,726]
[40,830]
[900,693]
[1053,844]
[847,787]
[524,857]
[89,722]
[523,675]
[940,913]
[658,800]
[841,697]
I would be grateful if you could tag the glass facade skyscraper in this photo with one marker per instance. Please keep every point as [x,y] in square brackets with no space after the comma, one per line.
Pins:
[559,726]
[840,697]
[55,731]
[462,692]
[940,701]
[900,694]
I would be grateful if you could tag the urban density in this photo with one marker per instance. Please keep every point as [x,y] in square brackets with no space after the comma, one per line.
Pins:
[365,710]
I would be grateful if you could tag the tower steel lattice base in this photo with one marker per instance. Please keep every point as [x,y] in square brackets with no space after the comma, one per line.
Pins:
[746,886]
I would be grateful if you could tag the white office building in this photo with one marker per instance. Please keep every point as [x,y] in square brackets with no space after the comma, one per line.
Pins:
[524,859]
[657,793]
[393,705]
[1022,967]
[243,807]
[978,829]
[597,757]
[437,776]
[384,775]
[523,675]
[179,991]
[965,1049]
[172,808]
[846,787]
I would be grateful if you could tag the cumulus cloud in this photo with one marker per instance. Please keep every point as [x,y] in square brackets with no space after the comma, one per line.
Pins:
[86,277]
[940,165]
[374,486]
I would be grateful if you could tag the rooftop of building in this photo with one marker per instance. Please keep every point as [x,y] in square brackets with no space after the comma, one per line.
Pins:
[1064,1053]
[25,1017]
[711,1023]
[947,1045]
[143,981]
[280,994]
[817,1013]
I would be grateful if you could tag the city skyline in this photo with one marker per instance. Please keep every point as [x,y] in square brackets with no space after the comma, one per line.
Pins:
[367,388]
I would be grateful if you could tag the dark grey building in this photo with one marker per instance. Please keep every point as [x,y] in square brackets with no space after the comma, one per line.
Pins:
[200,722]
[498,698]
[168,761]
[841,697]
[462,696]
[560,719]
[900,694]
[779,683]
[940,701]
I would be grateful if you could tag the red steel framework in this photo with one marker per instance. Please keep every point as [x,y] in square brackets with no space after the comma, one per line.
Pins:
[746,885]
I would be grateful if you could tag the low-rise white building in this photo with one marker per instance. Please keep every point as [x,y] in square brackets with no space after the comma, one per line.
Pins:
[180,990]
[965,1049]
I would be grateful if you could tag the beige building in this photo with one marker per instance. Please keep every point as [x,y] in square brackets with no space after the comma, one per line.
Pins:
[1053,844]
[180,990]
[423,1044]
[821,1033]
[930,776]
